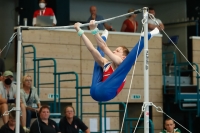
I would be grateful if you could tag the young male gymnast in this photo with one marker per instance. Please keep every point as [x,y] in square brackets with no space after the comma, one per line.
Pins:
[109,76]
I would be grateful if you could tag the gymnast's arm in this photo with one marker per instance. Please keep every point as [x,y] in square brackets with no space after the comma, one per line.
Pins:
[95,53]
[102,44]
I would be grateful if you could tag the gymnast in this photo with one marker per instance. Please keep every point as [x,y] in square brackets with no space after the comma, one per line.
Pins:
[109,76]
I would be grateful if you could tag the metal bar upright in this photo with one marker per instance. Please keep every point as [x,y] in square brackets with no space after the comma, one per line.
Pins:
[146,70]
[19,37]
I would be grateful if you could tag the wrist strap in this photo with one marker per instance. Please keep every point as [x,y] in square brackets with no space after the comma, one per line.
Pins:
[80,32]
[95,31]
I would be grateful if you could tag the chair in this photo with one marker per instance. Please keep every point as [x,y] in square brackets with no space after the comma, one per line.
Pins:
[174,39]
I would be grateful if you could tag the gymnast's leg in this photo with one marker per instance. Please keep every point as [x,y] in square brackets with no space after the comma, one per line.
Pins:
[107,90]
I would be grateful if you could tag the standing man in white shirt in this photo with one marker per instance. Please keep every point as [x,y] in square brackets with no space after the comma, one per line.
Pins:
[151,24]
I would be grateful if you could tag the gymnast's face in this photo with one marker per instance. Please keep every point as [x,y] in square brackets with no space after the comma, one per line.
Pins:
[119,52]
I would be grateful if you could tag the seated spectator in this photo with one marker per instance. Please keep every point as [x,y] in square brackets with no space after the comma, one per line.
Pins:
[29,97]
[95,16]
[70,123]
[7,98]
[46,125]
[151,24]
[2,66]
[170,127]
[130,24]
[9,127]
[43,11]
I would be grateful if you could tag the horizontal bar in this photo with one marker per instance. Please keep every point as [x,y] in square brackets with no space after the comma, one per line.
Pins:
[111,103]
[67,80]
[46,66]
[189,105]
[115,111]
[82,25]
[83,87]
[55,114]
[45,83]
[91,113]
[61,73]
[181,85]
[115,130]
[28,52]
[28,69]
[86,95]
[69,98]
[44,59]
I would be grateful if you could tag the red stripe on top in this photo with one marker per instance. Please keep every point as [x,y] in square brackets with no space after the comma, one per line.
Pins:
[107,71]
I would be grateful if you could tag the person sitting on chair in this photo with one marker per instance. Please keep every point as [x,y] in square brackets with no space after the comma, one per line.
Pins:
[8,92]
[29,96]
[43,124]
[170,127]
[70,123]
[9,127]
